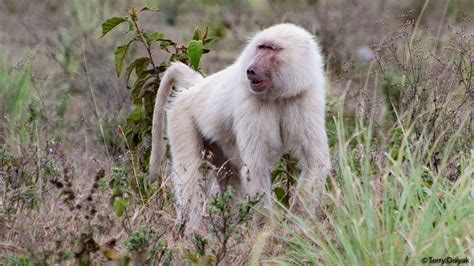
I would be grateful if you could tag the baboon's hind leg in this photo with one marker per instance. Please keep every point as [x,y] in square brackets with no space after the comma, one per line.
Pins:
[186,151]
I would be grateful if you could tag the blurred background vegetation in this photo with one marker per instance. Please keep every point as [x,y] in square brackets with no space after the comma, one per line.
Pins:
[399,119]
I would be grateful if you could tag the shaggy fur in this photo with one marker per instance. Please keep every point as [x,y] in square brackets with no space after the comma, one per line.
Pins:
[253,125]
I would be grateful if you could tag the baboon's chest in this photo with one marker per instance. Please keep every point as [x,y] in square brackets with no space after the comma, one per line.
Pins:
[291,127]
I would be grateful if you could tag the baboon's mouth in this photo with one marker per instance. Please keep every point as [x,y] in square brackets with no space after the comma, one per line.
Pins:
[258,85]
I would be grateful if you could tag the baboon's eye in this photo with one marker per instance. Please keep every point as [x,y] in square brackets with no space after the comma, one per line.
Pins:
[268,46]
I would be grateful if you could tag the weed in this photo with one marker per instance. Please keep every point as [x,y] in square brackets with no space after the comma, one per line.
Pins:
[140,245]
[147,71]
[226,226]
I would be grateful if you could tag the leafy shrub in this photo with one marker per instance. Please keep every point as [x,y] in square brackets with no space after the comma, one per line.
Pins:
[146,246]
[143,74]
[226,223]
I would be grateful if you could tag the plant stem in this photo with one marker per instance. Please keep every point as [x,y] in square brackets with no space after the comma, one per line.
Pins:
[147,46]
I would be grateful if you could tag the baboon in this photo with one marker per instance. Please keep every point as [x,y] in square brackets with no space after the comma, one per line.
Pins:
[271,100]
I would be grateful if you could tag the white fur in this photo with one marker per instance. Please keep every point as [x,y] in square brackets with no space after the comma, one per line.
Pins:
[253,130]
[180,76]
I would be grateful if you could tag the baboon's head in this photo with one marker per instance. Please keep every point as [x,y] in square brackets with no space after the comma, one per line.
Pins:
[282,61]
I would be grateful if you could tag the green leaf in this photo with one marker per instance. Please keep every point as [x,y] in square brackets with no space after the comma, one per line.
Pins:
[191,257]
[280,194]
[155,36]
[139,65]
[210,40]
[111,23]
[163,66]
[195,52]
[164,43]
[120,54]
[181,57]
[136,115]
[155,9]
[135,95]
[140,82]
[129,70]
[119,206]
[196,34]
[204,35]
[142,65]
[117,191]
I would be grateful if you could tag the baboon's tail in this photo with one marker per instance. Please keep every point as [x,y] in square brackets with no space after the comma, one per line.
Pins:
[180,76]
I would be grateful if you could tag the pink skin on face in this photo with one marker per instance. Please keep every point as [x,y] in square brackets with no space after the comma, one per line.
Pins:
[263,64]
[259,85]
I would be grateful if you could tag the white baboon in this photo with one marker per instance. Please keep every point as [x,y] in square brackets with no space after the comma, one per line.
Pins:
[271,100]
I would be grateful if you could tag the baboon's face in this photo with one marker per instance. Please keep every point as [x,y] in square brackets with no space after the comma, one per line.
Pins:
[281,62]
[265,61]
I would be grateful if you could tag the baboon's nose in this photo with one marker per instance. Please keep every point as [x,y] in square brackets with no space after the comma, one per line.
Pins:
[251,74]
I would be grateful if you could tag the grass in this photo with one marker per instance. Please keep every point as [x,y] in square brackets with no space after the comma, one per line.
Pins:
[399,215]
[401,189]
[15,93]
[15,89]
